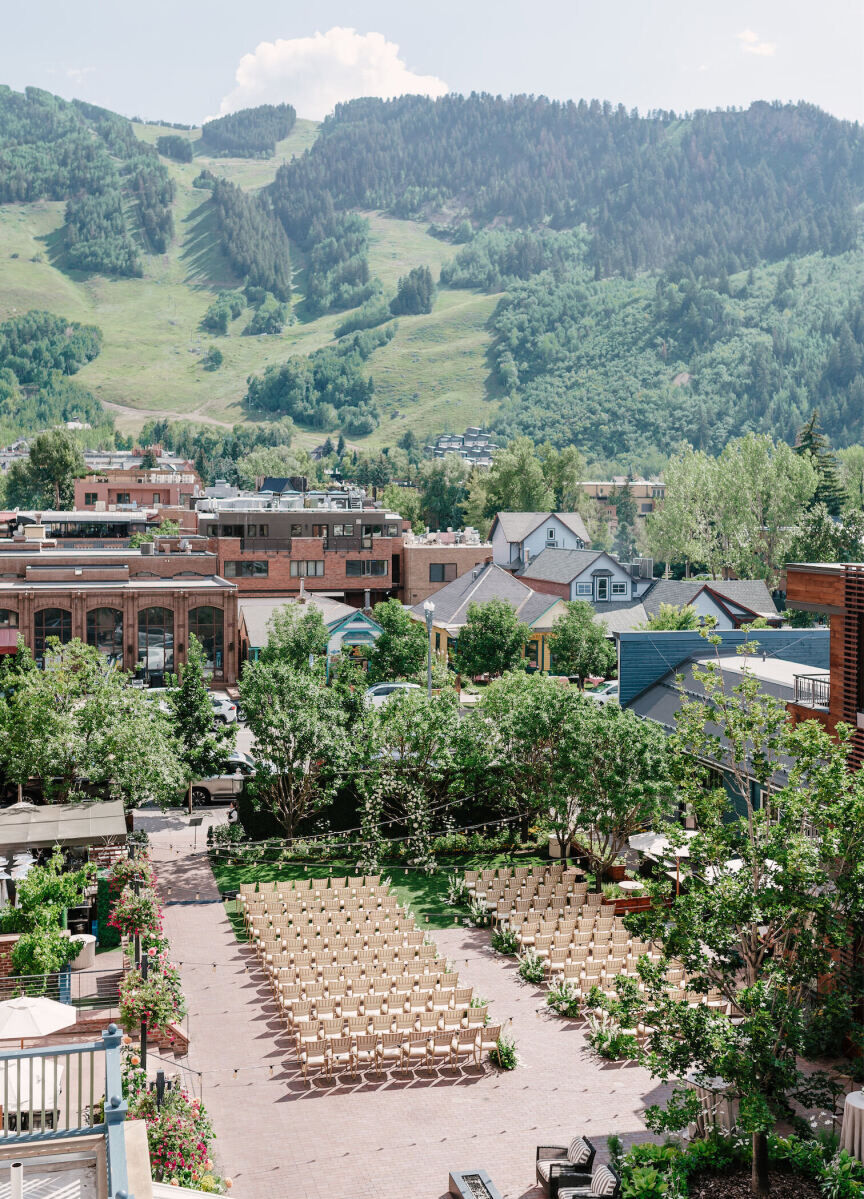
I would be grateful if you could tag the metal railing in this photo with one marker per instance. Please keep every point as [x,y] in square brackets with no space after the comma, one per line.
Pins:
[52,1095]
[94,989]
[813,690]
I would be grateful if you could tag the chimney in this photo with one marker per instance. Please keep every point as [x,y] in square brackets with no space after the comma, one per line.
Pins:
[366,606]
[301,598]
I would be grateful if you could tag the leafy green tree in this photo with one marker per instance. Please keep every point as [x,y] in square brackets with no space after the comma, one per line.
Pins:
[622,782]
[443,486]
[165,528]
[213,359]
[407,502]
[515,482]
[821,539]
[409,771]
[296,632]
[77,726]
[736,512]
[492,640]
[400,650]
[774,899]
[811,443]
[204,746]
[52,466]
[299,730]
[40,901]
[520,729]
[851,462]
[672,616]
[279,461]
[579,644]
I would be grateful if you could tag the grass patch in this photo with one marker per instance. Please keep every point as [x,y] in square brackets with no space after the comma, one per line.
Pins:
[424,893]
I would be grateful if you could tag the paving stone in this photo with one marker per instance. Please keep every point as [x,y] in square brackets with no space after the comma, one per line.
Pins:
[370,1138]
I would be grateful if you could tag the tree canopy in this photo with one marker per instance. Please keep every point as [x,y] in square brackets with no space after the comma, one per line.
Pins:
[492,640]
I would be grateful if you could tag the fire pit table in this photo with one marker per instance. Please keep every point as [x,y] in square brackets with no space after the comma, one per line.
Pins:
[472,1184]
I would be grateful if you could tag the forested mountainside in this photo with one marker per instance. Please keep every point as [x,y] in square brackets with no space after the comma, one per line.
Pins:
[589,276]
[716,191]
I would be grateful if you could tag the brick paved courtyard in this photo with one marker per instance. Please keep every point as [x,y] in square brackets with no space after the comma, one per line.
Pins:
[365,1138]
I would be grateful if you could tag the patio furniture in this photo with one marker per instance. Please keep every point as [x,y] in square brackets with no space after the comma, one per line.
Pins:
[852,1132]
[604,1181]
[554,1162]
[472,1184]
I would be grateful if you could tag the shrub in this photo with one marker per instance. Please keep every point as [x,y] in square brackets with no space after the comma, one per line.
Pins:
[213,359]
[458,895]
[531,967]
[179,1137]
[504,1054]
[564,997]
[645,1182]
[477,914]
[504,940]
[613,1044]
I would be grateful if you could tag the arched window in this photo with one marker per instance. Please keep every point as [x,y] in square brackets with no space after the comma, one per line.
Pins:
[8,618]
[105,632]
[207,625]
[50,622]
[156,640]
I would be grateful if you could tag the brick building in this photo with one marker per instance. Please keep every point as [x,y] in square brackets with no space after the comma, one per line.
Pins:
[136,606]
[432,560]
[271,550]
[646,494]
[149,487]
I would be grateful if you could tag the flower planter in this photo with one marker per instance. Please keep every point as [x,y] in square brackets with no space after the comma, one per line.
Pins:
[615,874]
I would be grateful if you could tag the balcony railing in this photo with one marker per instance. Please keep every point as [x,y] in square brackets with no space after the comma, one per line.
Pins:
[813,690]
[51,1094]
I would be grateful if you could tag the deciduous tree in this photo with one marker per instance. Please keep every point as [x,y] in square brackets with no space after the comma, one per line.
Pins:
[774,897]
[203,745]
[491,640]
[400,650]
[579,644]
[299,728]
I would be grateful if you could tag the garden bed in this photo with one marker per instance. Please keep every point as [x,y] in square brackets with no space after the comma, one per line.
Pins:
[737,1186]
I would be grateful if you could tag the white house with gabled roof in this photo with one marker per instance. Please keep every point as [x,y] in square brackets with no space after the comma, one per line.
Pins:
[518,537]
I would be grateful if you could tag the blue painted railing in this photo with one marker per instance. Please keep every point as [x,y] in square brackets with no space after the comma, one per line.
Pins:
[37,1108]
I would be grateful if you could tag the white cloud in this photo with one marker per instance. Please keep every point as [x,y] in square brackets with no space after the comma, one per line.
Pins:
[315,73]
[750,44]
[79,74]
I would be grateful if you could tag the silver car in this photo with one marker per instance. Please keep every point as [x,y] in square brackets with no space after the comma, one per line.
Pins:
[606,693]
[381,692]
[223,787]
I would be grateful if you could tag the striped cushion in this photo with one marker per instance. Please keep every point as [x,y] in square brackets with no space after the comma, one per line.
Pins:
[578,1151]
[603,1182]
[543,1170]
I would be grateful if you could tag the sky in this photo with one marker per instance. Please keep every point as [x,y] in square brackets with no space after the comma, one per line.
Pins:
[186,60]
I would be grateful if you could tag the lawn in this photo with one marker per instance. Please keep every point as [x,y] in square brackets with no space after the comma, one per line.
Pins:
[425,894]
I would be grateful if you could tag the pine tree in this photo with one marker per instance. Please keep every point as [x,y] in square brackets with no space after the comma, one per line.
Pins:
[812,443]
[203,747]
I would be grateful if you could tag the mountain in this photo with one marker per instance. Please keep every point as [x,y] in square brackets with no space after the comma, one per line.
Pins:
[619,281]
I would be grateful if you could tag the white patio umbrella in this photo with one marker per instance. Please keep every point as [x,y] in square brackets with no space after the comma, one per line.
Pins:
[33,1016]
[657,844]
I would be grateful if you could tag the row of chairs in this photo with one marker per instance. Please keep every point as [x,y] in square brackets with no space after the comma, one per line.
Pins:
[367,882]
[357,989]
[393,1049]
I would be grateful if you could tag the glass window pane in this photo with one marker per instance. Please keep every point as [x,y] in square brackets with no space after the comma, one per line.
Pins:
[105,632]
[207,625]
[50,622]
[156,640]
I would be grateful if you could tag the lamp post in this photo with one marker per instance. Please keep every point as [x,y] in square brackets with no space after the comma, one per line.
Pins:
[429,610]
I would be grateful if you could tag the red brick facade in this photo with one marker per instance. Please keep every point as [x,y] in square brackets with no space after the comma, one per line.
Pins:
[148,488]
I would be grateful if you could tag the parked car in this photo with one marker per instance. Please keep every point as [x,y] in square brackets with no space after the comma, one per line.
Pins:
[381,692]
[224,709]
[227,785]
[607,693]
